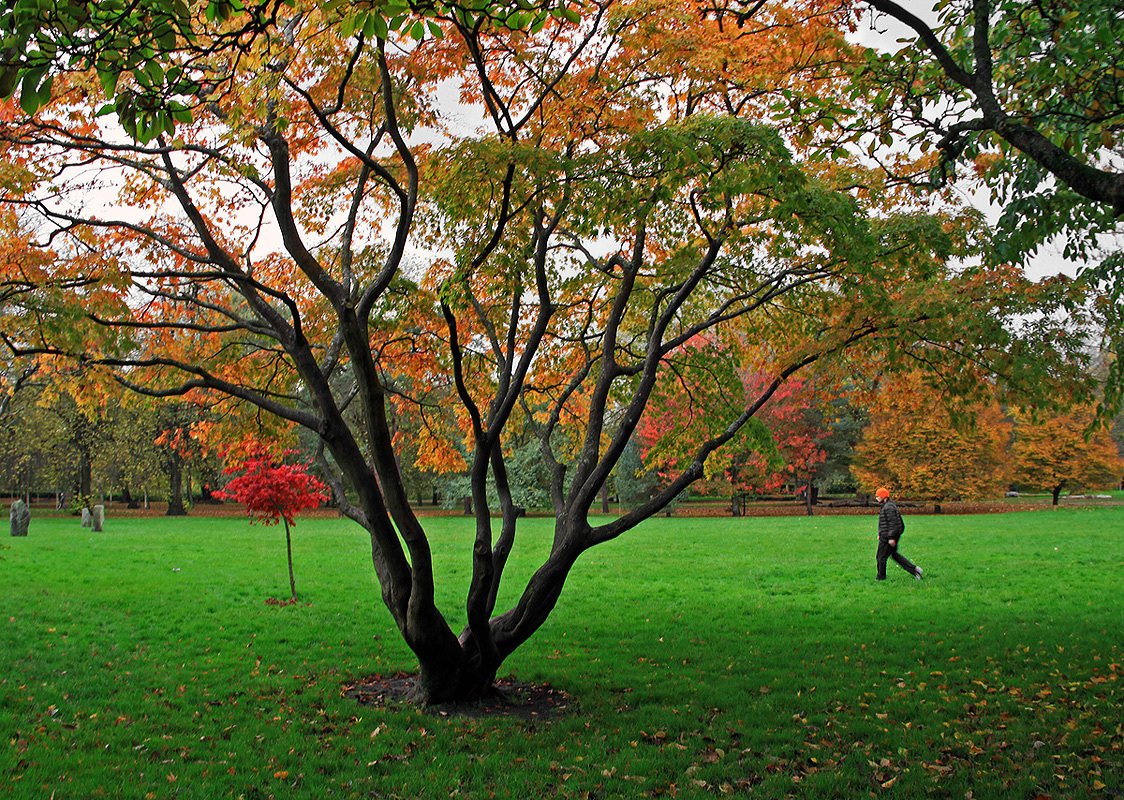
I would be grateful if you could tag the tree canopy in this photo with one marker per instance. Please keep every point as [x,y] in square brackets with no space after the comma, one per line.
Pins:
[1027,100]
[327,238]
[917,447]
[1061,452]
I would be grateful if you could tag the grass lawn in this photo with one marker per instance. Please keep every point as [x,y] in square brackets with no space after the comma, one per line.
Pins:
[755,657]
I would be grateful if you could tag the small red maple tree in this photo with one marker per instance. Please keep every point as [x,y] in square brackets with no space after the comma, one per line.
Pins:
[274,491]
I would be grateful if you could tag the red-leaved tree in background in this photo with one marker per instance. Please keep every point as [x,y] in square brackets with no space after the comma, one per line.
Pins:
[274,490]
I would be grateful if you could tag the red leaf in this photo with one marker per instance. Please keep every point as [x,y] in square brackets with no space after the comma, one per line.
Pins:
[273,490]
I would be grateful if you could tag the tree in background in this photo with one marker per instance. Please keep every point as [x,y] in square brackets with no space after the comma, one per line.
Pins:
[845,418]
[185,435]
[1060,451]
[921,446]
[273,490]
[795,420]
[703,386]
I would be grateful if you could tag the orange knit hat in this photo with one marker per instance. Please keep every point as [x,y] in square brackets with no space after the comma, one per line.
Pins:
[882,492]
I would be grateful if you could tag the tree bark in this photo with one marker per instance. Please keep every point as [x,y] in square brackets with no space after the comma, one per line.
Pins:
[289,556]
[85,475]
[175,487]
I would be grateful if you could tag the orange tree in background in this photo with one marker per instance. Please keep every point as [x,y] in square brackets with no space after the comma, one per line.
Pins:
[295,223]
[916,446]
[1063,451]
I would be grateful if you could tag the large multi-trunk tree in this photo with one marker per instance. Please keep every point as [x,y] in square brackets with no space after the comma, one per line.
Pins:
[504,227]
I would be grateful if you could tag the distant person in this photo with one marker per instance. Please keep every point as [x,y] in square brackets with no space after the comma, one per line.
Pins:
[890,529]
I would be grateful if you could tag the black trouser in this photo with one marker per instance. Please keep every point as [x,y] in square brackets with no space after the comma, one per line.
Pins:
[886,551]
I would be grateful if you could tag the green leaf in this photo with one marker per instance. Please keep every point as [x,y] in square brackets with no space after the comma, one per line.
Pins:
[350,23]
[108,79]
[182,115]
[44,94]
[29,94]
[154,72]
[8,80]
[376,26]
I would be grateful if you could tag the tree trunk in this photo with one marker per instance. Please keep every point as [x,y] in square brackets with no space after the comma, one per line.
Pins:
[128,499]
[289,555]
[175,487]
[1056,492]
[85,475]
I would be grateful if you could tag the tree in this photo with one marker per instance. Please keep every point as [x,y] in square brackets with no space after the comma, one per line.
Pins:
[706,384]
[184,436]
[795,420]
[845,419]
[1043,82]
[274,491]
[625,200]
[1064,450]
[134,464]
[1027,98]
[915,444]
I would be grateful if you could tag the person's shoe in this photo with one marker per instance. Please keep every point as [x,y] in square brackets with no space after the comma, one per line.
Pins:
[917,575]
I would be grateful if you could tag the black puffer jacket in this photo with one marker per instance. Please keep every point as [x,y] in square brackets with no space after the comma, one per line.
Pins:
[890,525]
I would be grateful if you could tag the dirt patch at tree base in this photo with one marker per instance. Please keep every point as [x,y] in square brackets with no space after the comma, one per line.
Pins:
[523,700]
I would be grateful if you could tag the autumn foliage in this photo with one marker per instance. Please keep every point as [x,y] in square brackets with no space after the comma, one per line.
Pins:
[915,446]
[702,391]
[1061,451]
[273,490]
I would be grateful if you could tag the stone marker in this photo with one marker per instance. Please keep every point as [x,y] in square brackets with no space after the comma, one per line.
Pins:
[20,517]
[86,518]
[98,520]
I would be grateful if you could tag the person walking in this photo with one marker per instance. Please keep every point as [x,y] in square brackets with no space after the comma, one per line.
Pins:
[890,529]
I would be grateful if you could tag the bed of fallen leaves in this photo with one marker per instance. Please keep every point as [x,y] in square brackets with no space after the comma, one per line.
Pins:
[527,701]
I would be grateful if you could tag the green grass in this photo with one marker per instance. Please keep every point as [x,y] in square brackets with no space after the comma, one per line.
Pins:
[705,656]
